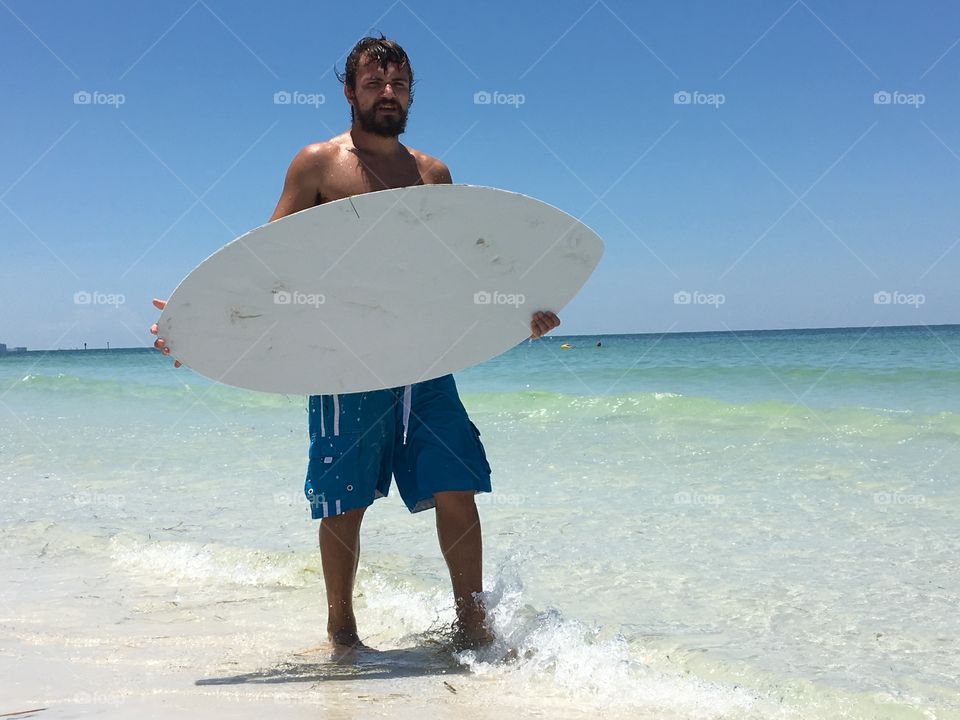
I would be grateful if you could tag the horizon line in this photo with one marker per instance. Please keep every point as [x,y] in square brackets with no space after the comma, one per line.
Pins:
[582,335]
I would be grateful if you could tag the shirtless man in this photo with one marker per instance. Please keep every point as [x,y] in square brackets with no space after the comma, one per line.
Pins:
[420,434]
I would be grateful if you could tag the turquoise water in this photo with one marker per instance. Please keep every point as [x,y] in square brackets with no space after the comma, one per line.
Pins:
[750,524]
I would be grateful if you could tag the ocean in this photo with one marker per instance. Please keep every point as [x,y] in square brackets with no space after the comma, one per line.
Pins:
[695,525]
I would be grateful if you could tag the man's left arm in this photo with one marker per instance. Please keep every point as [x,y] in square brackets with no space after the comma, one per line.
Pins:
[439,174]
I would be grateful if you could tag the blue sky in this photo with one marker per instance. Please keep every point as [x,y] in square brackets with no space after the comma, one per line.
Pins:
[784,194]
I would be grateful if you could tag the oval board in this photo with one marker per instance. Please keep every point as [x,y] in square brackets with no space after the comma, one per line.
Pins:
[377,290]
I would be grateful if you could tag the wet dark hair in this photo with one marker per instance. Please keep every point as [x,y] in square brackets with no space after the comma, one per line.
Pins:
[380,50]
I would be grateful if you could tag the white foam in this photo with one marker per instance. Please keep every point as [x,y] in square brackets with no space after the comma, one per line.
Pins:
[210,563]
[555,655]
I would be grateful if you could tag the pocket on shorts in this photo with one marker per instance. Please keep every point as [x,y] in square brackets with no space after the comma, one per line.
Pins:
[480,448]
[334,467]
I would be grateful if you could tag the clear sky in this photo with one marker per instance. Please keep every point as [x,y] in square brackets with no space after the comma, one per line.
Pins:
[785,193]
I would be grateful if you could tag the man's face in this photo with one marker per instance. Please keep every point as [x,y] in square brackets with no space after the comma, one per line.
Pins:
[381,98]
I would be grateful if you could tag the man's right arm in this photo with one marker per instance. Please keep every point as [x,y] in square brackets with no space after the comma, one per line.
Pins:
[301,188]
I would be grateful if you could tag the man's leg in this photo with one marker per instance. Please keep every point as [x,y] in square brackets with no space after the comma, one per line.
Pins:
[340,555]
[458,528]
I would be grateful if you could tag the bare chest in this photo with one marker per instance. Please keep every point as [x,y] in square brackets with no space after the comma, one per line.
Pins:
[355,176]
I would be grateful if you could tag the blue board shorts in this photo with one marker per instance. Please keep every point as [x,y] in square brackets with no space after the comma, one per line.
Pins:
[420,435]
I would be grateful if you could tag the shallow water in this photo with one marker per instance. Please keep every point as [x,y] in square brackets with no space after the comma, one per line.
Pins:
[749,525]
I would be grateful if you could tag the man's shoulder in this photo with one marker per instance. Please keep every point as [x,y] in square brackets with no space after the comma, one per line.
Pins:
[319,153]
[432,169]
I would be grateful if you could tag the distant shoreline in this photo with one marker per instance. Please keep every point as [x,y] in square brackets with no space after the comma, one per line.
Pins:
[597,335]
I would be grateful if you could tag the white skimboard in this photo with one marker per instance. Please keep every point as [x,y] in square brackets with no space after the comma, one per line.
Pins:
[377,290]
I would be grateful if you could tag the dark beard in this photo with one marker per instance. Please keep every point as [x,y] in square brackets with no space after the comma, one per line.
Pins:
[386,126]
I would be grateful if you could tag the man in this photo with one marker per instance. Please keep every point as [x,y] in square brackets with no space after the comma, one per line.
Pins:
[420,434]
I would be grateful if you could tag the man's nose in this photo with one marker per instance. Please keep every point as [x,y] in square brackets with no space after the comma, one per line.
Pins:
[388,90]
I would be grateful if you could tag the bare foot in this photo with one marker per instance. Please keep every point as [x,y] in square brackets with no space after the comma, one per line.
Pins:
[340,645]
[345,638]
[472,636]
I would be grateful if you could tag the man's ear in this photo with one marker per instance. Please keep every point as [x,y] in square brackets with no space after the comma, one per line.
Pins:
[351,97]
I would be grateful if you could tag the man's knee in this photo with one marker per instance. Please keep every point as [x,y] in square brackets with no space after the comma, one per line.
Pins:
[343,521]
[455,501]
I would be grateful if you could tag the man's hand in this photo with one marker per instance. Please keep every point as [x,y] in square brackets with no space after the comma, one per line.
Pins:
[159,343]
[541,323]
